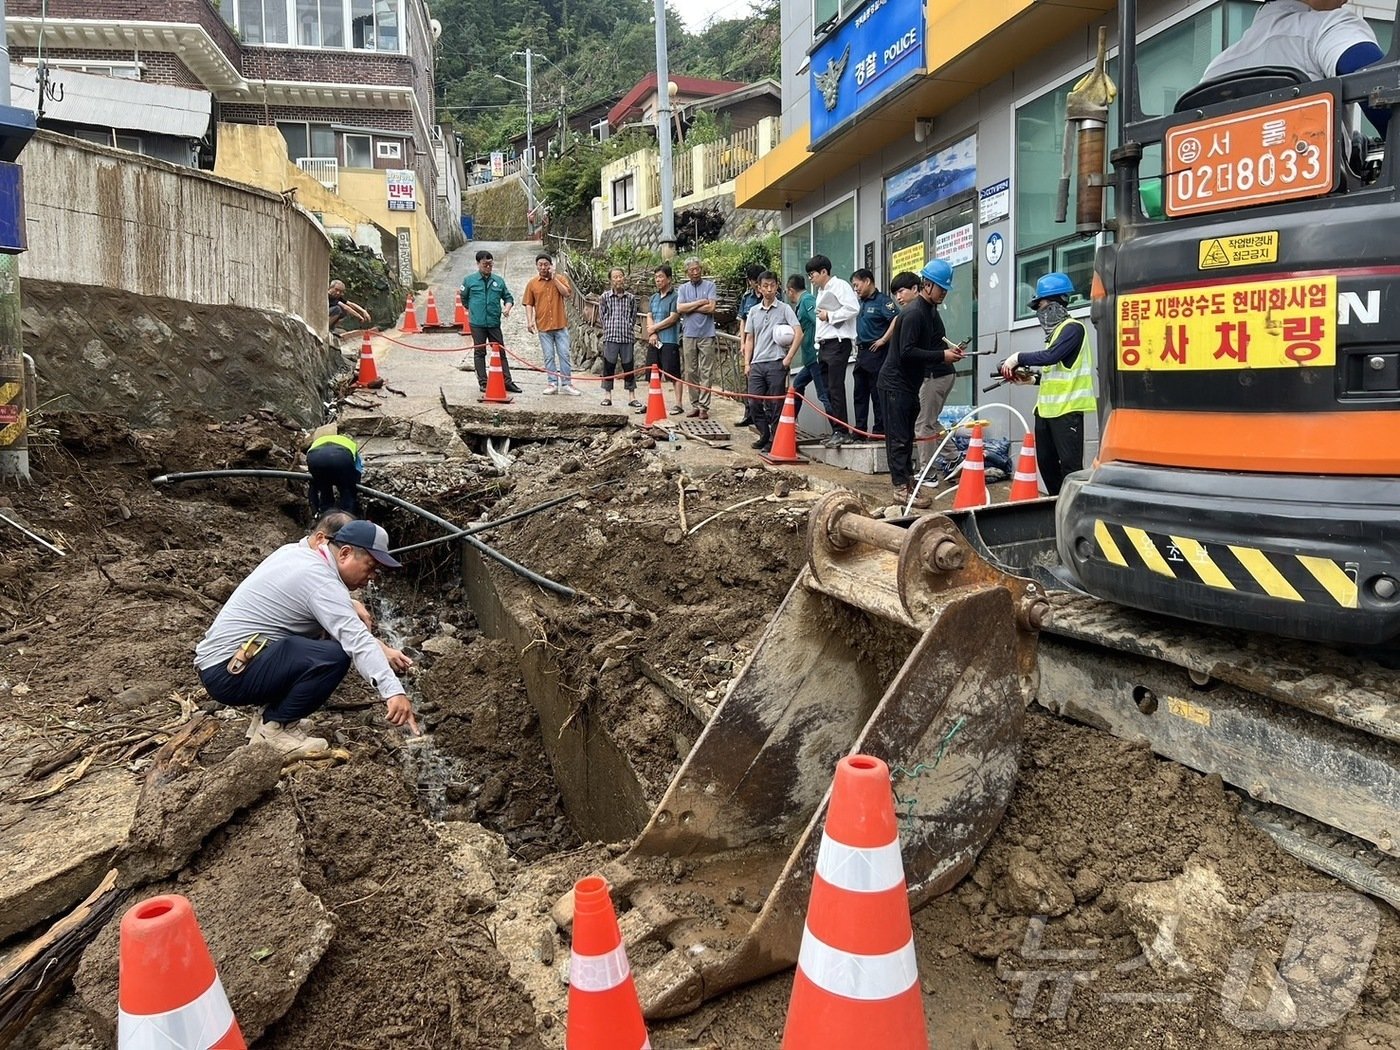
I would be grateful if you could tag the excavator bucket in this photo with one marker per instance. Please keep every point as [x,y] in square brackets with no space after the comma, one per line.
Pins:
[897,641]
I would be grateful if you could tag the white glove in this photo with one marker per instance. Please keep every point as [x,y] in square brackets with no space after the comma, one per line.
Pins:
[1009,366]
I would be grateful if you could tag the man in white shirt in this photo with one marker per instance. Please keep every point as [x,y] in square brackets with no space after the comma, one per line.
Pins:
[1319,38]
[837,308]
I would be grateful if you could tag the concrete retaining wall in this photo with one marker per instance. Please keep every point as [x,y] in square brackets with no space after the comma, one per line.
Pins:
[158,293]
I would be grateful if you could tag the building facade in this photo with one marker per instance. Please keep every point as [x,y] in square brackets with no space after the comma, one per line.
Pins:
[347,85]
[921,131]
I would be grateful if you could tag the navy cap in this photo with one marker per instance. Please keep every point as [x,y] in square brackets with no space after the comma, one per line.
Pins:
[370,537]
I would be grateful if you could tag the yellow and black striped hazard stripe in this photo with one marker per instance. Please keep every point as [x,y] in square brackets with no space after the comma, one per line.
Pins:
[1228,567]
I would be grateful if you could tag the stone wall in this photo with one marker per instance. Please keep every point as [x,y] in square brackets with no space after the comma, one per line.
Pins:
[158,292]
[497,210]
[740,224]
[158,361]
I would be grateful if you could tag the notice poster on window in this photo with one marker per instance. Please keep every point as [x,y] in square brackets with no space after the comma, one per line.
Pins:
[955,246]
[910,258]
[402,189]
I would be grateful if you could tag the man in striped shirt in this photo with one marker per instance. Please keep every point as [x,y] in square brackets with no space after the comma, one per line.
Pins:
[617,312]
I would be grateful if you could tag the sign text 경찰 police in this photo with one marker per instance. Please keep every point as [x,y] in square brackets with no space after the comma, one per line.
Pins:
[877,49]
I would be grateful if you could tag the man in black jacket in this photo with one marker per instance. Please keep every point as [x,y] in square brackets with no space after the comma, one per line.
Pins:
[917,350]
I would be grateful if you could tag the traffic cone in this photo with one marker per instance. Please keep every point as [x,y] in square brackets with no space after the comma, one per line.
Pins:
[459,312]
[168,992]
[656,401]
[495,379]
[972,485]
[430,319]
[857,981]
[604,1013]
[1023,484]
[369,372]
[785,440]
[410,317]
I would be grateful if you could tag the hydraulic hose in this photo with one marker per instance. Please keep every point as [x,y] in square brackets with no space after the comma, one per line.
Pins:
[552,586]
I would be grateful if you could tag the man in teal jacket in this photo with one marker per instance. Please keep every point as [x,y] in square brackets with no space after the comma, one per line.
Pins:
[488,301]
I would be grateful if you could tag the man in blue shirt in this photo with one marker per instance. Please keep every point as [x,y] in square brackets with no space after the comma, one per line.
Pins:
[877,313]
[663,335]
[747,302]
[488,301]
[695,300]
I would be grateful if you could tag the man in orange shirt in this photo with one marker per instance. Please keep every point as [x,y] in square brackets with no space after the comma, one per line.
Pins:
[545,316]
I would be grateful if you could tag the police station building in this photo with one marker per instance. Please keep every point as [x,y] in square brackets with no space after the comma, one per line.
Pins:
[920,129]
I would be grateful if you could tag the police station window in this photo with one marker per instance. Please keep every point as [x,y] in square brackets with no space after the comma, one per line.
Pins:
[831,233]
[624,195]
[1170,62]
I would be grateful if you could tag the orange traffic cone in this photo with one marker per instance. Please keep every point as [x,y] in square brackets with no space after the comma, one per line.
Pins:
[857,981]
[495,379]
[785,440]
[1023,484]
[369,372]
[430,319]
[972,486]
[656,401]
[459,312]
[604,1013]
[410,317]
[168,992]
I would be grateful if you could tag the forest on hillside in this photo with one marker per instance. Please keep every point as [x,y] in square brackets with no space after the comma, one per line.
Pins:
[593,50]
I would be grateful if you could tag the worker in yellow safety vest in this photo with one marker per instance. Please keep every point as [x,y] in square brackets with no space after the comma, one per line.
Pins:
[336,468]
[1066,381]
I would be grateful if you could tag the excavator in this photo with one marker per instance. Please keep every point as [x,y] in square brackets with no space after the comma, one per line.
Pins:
[1222,584]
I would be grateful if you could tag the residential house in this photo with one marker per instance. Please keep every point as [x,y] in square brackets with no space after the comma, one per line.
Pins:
[332,99]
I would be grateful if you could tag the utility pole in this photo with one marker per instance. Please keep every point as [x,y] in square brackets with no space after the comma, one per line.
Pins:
[663,136]
[530,116]
[563,119]
[16,128]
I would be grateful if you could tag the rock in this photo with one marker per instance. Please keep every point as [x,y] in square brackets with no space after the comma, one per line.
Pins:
[1180,922]
[219,589]
[672,536]
[478,856]
[1086,885]
[442,645]
[265,930]
[130,699]
[570,465]
[1032,887]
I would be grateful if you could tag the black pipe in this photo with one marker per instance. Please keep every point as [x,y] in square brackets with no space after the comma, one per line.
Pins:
[296,475]
[483,526]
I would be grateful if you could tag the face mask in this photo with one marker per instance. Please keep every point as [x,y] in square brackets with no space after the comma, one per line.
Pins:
[1050,313]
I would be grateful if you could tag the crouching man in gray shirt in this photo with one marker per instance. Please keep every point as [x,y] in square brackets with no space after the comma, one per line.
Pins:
[287,636]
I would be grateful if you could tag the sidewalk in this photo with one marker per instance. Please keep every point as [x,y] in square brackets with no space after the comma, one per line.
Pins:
[429,402]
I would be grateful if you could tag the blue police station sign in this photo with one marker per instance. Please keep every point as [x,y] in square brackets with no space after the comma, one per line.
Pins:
[875,51]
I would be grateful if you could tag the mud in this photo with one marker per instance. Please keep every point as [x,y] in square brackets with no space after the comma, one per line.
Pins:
[1122,903]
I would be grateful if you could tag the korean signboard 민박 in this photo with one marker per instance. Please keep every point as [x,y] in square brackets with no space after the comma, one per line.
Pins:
[1284,323]
[402,188]
[877,49]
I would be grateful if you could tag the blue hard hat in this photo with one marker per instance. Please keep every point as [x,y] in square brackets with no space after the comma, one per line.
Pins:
[1051,285]
[939,272]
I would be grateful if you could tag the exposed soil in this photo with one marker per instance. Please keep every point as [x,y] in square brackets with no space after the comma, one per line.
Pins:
[434,861]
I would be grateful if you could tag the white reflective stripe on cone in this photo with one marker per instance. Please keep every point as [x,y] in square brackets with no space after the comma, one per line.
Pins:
[969,465]
[866,977]
[598,973]
[195,1026]
[859,869]
[1024,477]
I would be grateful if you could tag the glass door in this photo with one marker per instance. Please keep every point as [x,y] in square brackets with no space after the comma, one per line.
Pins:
[953,233]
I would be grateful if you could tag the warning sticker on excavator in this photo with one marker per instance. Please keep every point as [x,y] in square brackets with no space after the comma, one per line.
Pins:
[1286,575]
[1187,710]
[1282,323]
[1245,249]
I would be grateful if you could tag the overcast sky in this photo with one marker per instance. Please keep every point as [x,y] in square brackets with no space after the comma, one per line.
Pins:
[697,13]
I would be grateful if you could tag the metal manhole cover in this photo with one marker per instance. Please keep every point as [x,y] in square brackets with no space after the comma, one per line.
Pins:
[707,429]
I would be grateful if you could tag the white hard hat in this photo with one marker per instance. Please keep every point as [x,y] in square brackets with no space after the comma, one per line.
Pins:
[783,334]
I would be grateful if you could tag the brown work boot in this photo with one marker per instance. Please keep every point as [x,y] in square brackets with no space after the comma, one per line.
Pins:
[290,740]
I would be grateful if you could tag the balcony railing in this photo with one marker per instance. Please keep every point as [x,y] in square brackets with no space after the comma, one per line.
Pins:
[325,170]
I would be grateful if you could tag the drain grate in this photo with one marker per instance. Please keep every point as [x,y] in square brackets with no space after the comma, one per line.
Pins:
[705,429]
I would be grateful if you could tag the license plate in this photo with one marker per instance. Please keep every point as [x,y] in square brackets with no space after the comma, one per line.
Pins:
[1272,153]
